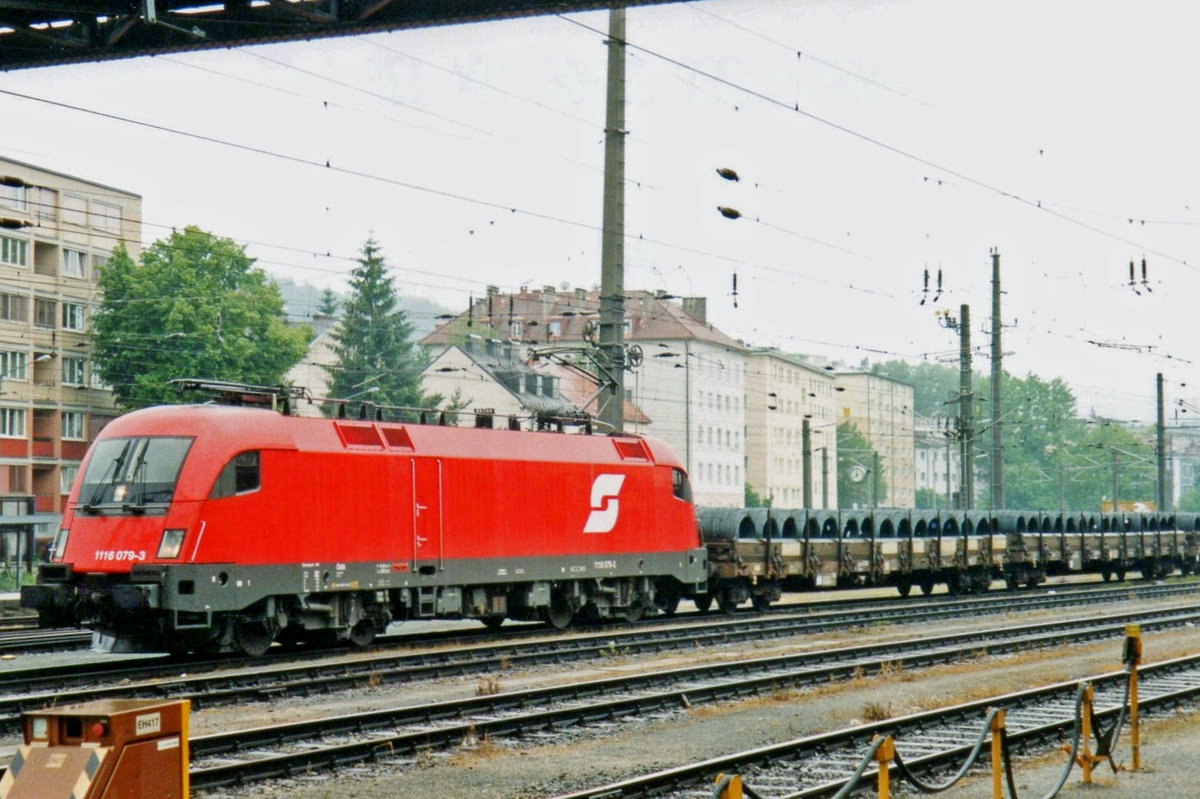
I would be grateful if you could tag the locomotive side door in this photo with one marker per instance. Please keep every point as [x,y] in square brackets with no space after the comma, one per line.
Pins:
[427,516]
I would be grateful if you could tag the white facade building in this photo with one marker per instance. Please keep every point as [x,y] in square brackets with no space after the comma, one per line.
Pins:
[882,410]
[937,461]
[783,393]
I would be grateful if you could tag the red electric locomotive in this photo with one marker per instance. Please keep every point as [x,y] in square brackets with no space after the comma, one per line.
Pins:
[211,527]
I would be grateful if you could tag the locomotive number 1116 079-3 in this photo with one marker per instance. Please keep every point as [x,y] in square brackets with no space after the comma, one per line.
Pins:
[120,554]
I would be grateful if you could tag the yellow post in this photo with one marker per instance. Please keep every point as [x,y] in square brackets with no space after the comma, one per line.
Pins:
[1133,656]
[1084,758]
[997,755]
[728,787]
[883,756]
[186,756]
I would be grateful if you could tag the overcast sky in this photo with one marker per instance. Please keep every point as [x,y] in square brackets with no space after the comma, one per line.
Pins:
[874,139]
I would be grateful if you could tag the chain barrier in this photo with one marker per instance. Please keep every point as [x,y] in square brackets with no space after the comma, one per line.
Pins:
[1085,726]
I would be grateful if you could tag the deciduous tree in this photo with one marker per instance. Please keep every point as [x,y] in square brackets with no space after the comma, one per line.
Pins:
[193,305]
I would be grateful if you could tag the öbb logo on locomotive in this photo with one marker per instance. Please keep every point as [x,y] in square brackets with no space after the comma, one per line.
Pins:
[605,505]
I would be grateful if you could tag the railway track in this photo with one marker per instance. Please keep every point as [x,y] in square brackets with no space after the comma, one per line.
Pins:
[30,639]
[219,684]
[555,713]
[932,742]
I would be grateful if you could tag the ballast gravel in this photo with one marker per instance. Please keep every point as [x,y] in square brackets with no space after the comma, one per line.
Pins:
[547,766]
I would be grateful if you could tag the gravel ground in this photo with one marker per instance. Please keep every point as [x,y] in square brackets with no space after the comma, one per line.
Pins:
[501,768]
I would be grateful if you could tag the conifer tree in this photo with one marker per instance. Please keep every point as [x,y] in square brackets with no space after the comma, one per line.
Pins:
[376,357]
[329,303]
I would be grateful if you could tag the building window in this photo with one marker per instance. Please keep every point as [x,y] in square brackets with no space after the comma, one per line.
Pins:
[73,316]
[73,261]
[14,252]
[12,422]
[98,263]
[517,329]
[43,312]
[16,479]
[555,327]
[74,210]
[66,477]
[45,207]
[96,381]
[72,371]
[13,365]
[106,216]
[72,425]
[14,308]
[15,197]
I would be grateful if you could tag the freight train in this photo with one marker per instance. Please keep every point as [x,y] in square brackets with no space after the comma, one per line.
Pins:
[755,554]
[225,528]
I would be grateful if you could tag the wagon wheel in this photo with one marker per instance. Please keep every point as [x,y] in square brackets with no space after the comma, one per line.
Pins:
[703,602]
[927,587]
[726,603]
[904,586]
[254,637]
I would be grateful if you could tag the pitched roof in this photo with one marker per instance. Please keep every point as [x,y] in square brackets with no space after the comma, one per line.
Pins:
[653,317]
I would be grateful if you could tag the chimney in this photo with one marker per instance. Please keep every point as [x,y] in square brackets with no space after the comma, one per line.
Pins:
[697,308]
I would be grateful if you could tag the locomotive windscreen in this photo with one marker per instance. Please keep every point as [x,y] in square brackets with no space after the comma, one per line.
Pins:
[127,474]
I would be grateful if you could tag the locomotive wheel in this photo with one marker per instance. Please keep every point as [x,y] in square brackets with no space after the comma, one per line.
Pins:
[635,610]
[254,637]
[703,602]
[363,633]
[558,615]
[669,604]
[492,622]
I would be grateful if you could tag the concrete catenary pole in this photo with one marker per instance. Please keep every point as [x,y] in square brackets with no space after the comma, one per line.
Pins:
[1160,451]
[997,459]
[966,416]
[612,244]
[806,460]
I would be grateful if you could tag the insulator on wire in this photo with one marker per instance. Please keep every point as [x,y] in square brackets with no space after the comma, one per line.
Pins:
[728,174]
[735,290]
[729,213]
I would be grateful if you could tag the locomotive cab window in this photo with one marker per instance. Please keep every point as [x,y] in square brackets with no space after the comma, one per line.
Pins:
[680,485]
[241,475]
[130,474]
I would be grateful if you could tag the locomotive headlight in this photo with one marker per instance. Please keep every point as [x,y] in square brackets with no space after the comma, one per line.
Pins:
[59,547]
[172,540]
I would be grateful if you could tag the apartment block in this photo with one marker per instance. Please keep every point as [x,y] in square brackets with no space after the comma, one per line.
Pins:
[56,232]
